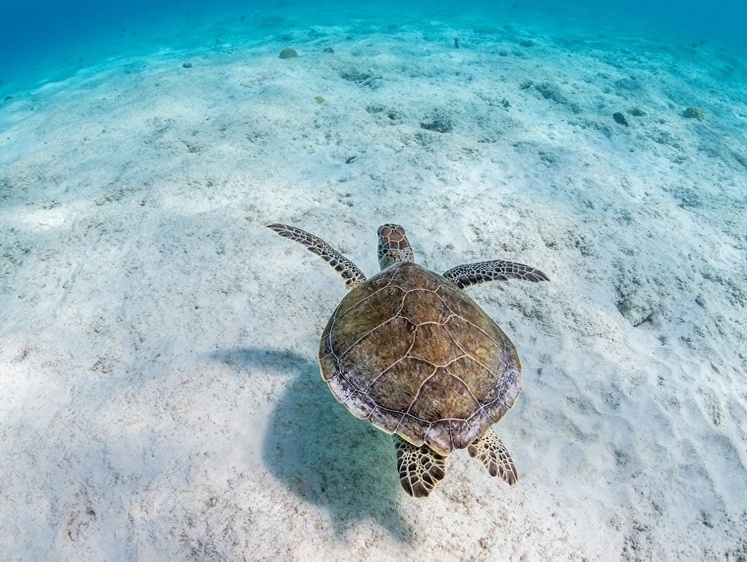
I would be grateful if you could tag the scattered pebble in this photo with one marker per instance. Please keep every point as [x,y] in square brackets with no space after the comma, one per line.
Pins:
[438,123]
[694,113]
[288,53]
[619,118]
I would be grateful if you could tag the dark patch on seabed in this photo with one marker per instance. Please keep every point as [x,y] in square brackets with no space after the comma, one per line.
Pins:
[320,452]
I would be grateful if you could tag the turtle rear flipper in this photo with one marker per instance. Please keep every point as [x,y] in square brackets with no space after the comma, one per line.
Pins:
[347,269]
[495,457]
[496,270]
[420,468]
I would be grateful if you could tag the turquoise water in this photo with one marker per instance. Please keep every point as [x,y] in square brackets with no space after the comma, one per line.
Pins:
[43,40]
[159,391]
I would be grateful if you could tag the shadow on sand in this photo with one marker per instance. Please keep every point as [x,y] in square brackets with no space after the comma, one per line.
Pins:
[319,451]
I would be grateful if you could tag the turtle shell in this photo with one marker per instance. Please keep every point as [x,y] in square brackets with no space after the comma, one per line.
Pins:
[415,355]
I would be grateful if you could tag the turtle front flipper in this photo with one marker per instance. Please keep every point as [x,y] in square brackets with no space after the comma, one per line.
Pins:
[420,468]
[494,456]
[347,269]
[496,270]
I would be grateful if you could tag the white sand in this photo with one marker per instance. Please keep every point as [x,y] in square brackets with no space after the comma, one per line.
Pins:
[159,394]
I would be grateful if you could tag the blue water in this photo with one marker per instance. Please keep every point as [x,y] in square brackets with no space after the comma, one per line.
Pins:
[43,40]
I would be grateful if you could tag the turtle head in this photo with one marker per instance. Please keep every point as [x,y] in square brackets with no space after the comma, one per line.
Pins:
[393,245]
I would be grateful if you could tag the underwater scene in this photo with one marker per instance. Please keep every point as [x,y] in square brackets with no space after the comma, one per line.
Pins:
[529,338]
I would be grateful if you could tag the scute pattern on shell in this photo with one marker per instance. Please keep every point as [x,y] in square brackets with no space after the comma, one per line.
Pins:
[416,356]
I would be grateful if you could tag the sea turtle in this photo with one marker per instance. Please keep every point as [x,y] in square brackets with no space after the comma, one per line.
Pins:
[412,353]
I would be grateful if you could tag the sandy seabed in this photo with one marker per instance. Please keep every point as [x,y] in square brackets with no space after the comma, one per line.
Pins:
[159,393]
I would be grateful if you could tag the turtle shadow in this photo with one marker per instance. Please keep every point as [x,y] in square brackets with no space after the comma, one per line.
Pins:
[319,451]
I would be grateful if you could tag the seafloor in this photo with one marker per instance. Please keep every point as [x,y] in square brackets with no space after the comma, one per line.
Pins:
[159,393]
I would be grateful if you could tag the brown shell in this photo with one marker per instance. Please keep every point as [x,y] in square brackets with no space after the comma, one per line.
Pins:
[416,356]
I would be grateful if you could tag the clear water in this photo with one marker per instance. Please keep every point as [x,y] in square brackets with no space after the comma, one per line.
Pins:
[631,431]
[42,40]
